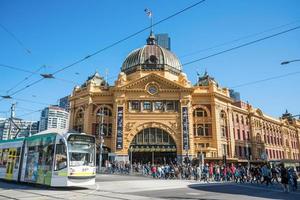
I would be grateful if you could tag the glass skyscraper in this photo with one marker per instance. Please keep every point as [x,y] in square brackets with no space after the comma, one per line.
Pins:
[163,40]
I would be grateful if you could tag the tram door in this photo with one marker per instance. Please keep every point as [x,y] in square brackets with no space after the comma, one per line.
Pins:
[12,154]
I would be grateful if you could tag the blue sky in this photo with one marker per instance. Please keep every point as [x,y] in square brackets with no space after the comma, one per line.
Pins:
[61,32]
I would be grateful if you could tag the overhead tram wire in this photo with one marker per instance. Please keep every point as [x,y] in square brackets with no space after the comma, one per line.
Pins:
[242,45]
[266,79]
[29,113]
[31,74]
[25,79]
[111,45]
[238,39]
[15,38]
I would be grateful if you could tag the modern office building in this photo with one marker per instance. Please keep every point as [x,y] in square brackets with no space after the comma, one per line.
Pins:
[54,117]
[64,103]
[21,127]
[163,40]
[155,114]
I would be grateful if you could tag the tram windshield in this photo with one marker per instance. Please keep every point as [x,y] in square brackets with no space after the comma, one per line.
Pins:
[81,150]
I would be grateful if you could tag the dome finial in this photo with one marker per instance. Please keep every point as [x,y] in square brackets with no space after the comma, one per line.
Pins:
[151,38]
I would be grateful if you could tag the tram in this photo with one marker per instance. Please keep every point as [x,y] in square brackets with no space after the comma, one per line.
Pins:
[50,158]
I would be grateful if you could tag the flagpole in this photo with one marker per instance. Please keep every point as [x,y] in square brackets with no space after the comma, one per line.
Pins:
[151,18]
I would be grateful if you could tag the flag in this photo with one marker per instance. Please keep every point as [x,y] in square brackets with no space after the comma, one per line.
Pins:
[148,12]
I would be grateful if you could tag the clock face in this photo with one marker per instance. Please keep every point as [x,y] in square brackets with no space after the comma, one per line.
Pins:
[152,89]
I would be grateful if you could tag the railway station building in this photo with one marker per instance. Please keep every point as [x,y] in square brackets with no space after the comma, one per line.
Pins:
[153,113]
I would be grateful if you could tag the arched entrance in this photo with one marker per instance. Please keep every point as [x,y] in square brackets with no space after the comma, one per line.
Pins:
[153,145]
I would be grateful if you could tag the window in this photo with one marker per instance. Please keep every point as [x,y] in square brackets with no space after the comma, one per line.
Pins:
[147,105]
[60,156]
[242,119]
[237,118]
[104,119]
[201,129]
[248,135]
[244,136]
[3,158]
[247,121]
[245,152]
[224,149]
[239,134]
[135,105]
[223,131]
[79,121]
[158,105]
[170,105]
[223,124]
[200,112]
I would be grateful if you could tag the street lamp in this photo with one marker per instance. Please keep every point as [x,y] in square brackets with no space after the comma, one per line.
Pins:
[131,168]
[289,61]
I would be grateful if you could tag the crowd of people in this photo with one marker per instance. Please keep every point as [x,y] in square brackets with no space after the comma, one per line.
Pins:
[211,172]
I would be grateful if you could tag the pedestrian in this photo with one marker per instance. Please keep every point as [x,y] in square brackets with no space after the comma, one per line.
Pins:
[284,178]
[266,173]
[275,173]
[294,179]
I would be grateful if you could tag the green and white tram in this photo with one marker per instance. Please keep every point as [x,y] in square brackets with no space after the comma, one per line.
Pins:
[50,158]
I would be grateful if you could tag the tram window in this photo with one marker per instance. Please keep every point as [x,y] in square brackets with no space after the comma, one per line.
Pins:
[60,157]
[4,158]
[0,157]
[17,158]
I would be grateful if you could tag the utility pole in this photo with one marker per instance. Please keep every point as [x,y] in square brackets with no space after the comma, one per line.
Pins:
[12,116]
[101,138]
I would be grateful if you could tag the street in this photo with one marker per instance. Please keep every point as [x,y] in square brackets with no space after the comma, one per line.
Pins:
[144,188]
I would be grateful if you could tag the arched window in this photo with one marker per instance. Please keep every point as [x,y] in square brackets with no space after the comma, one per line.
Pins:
[79,121]
[104,119]
[200,112]
[258,137]
[152,136]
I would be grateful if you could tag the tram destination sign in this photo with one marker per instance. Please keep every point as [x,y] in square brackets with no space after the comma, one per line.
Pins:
[185,128]
[119,144]
[82,138]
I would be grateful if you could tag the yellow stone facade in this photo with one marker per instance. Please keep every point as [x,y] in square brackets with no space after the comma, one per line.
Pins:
[153,97]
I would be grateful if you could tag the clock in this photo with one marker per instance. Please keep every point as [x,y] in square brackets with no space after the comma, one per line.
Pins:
[152,89]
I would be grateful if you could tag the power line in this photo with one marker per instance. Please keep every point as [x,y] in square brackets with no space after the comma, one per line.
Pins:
[25,79]
[242,45]
[16,68]
[266,79]
[31,74]
[15,38]
[238,39]
[110,46]
[29,113]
